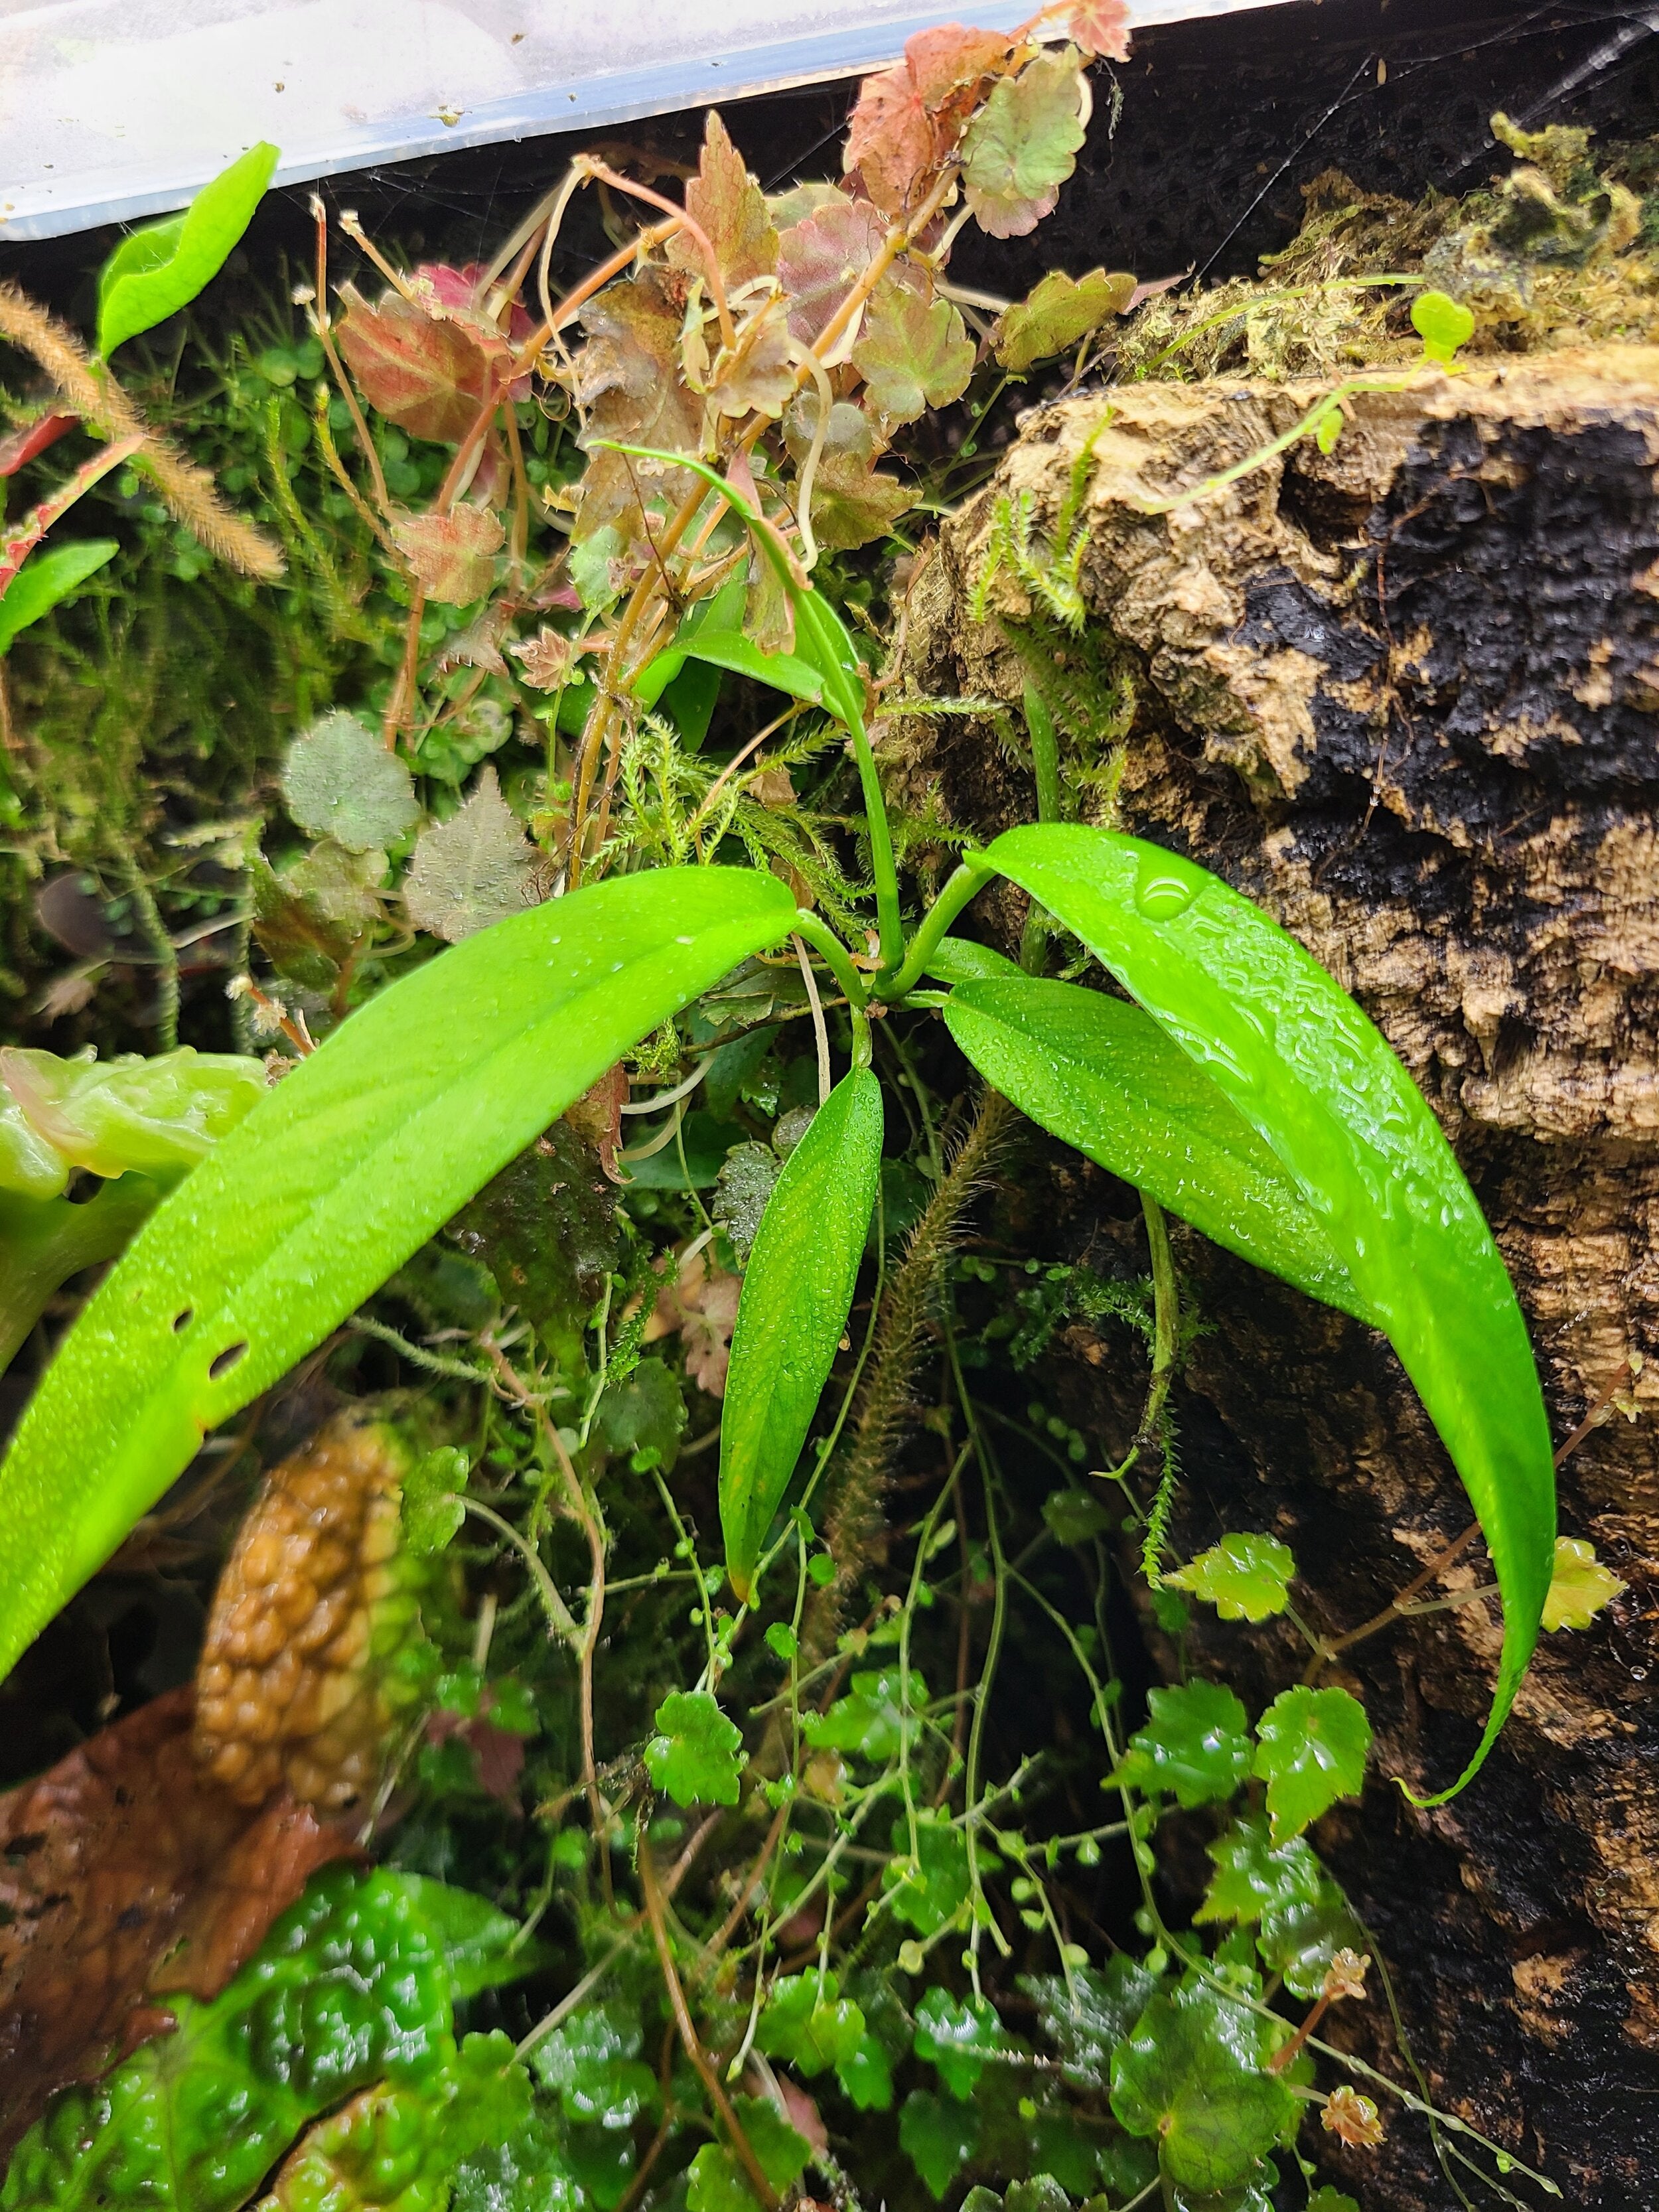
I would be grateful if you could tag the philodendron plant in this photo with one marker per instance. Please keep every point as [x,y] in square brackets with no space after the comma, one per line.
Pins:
[1238,1085]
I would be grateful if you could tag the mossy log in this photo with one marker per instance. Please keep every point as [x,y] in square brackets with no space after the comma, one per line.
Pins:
[1407,695]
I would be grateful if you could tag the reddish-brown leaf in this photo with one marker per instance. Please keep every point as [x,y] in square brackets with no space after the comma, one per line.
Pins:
[126,1873]
[889,138]
[293,1683]
[597,1118]
[909,117]
[628,380]
[946,61]
[729,206]
[23,445]
[452,554]
[821,259]
[1101,27]
[429,374]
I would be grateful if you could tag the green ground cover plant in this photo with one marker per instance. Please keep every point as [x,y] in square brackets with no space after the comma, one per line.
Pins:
[705,1435]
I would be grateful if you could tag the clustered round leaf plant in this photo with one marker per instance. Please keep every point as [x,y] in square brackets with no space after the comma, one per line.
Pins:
[774,1906]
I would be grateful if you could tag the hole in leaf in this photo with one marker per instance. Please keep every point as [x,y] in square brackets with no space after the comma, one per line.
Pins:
[227,1359]
[181,1321]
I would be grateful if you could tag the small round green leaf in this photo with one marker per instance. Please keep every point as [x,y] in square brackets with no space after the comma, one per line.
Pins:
[1443,325]
[807,2021]
[696,1754]
[1193,2074]
[340,781]
[937,2135]
[1196,1744]
[1311,1749]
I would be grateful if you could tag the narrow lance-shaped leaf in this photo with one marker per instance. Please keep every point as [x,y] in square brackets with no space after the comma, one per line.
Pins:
[797,1292]
[1104,1077]
[156,270]
[329,1185]
[1313,1077]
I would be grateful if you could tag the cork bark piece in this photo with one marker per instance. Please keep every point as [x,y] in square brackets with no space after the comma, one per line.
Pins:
[1407,695]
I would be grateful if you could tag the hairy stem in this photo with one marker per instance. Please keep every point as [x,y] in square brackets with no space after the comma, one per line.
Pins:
[853,1521]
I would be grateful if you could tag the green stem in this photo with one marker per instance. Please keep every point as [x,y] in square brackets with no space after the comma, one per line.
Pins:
[969,880]
[838,960]
[888,924]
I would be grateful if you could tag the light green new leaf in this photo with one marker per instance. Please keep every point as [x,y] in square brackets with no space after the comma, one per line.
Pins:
[1311,1074]
[46,580]
[1245,1578]
[797,1292]
[1103,1076]
[330,1182]
[156,270]
[1579,1586]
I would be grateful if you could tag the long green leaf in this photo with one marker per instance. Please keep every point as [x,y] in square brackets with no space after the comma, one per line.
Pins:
[1104,1077]
[722,648]
[157,270]
[797,1292]
[1317,1080]
[46,580]
[332,1181]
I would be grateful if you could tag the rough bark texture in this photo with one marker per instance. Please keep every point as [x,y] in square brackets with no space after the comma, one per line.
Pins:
[1408,697]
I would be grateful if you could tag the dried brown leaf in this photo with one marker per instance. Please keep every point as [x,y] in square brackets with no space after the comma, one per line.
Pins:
[699,1305]
[597,1118]
[293,1685]
[126,1873]
[756,377]
[628,383]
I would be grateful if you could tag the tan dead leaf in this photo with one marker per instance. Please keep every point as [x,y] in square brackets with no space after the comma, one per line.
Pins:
[294,1682]
[772,787]
[545,658]
[126,1873]
[699,1305]
[453,555]
[756,377]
